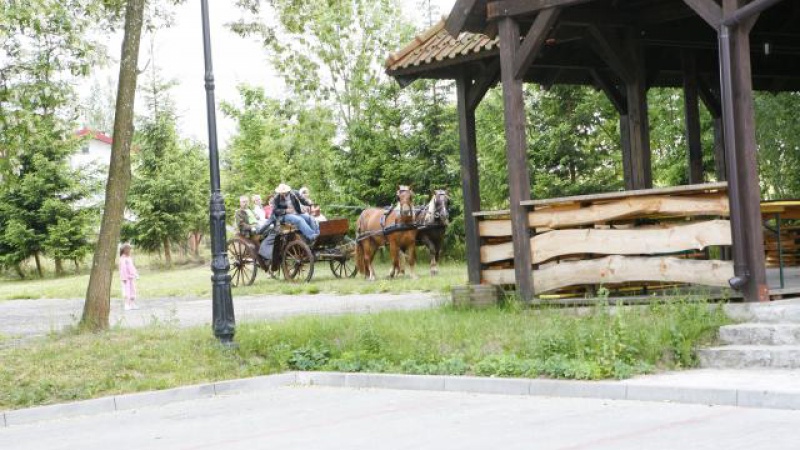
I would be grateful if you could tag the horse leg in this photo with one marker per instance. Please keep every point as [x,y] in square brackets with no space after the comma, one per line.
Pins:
[432,250]
[370,261]
[394,251]
[412,259]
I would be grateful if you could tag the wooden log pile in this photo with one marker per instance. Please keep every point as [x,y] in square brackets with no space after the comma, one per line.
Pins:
[630,241]
[790,246]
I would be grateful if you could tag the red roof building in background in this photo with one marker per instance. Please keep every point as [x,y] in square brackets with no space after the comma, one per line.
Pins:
[94,134]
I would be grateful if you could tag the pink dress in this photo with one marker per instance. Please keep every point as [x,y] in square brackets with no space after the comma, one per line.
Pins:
[128,275]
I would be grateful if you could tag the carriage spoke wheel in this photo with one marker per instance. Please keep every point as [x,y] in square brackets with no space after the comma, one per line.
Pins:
[345,267]
[298,262]
[243,265]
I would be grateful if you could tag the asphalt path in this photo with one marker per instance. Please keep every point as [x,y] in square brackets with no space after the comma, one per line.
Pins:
[341,418]
[20,319]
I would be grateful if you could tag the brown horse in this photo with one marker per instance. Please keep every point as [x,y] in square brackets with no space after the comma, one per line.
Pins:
[432,221]
[375,228]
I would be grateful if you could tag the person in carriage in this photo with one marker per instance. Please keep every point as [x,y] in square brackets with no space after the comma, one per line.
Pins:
[246,220]
[287,205]
[313,210]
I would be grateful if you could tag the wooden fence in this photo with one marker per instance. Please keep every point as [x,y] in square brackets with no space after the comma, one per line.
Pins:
[635,239]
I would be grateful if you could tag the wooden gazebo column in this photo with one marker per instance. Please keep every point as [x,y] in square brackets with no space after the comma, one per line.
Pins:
[691,106]
[625,57]
[469,96]
[733,22]
[519,184]
[712,102]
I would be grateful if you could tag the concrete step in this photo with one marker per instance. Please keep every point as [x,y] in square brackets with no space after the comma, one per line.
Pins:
[781,311]
[751,357]
[761,334]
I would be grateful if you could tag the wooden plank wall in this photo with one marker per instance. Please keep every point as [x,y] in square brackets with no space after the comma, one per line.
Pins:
[627,243]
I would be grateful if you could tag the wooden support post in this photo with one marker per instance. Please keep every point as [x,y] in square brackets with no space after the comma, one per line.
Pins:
[720,167]
[620,103]
[740,144]
[692,115]
[469,176]
[712,103]
[516,154]
[638,121]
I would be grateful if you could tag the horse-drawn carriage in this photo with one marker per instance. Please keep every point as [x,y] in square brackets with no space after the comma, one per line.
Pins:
[291,255]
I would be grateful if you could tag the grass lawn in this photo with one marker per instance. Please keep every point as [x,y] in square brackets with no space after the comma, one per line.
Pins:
[498,342]
[194,280]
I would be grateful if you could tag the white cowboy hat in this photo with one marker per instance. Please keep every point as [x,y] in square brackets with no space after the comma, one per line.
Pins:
[283,189]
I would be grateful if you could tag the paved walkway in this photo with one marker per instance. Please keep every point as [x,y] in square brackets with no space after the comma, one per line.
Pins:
[25,318]
[341,418]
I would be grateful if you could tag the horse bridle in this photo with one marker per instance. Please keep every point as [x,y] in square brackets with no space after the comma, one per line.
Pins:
[409,209]
[440,209]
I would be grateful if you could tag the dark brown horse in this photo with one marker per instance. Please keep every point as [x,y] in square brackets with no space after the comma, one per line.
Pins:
[432,221]
[376,228]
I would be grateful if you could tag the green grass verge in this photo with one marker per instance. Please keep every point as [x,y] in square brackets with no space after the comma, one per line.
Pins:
[195,281]
[497,342]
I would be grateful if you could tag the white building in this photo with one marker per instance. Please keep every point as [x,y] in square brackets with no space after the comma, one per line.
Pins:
[93,158]
[96,151]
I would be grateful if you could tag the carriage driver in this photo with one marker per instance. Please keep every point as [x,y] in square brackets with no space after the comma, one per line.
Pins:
[287,205]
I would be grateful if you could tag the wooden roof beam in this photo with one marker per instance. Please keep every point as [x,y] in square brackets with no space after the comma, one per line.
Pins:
[462,13]
[749,11]
[534,40]
[488,77]
[709,10]
[614,95]
[612,52]
[508,8]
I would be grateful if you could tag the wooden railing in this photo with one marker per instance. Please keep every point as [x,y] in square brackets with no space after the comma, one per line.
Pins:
[656,236]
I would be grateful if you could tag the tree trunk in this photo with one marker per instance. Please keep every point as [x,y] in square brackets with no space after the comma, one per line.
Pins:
[198,238]
[38,265]
[167,252]
[77,266]
[59,267]
[98,294]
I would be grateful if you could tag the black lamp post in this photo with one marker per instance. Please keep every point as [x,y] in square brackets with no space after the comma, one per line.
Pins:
[224,322]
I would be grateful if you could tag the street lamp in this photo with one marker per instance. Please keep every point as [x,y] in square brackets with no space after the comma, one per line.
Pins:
[224,322]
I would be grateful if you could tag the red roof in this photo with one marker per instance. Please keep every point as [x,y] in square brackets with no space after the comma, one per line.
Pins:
[94,134]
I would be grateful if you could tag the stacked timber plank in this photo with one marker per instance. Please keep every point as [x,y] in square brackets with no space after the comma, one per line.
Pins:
[788,212]
[633,240]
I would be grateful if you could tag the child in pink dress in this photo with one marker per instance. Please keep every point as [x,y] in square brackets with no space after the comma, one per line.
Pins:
[128,274]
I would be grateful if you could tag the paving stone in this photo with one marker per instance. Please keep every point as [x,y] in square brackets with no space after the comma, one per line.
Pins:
[704,396]
[506,386]
[579,389]
[256,383]
[134,401]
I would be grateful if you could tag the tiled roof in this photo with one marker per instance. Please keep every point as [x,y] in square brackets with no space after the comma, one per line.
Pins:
[435,45]
[96,135]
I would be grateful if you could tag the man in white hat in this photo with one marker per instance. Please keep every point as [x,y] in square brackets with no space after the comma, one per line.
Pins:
[287,204]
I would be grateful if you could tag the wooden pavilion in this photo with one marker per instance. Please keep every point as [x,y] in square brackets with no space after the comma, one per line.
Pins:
[717,52]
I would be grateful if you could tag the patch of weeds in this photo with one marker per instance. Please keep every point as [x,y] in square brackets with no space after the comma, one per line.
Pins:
[309,358]
[451,366]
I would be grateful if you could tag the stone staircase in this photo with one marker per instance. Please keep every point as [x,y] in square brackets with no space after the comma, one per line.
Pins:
[769,338]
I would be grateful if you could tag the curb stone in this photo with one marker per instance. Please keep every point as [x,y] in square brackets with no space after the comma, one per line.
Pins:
[499,386]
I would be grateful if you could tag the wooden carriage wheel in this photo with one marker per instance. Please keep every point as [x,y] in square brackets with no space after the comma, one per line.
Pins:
[345,267]
[243,263]
[298,262]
